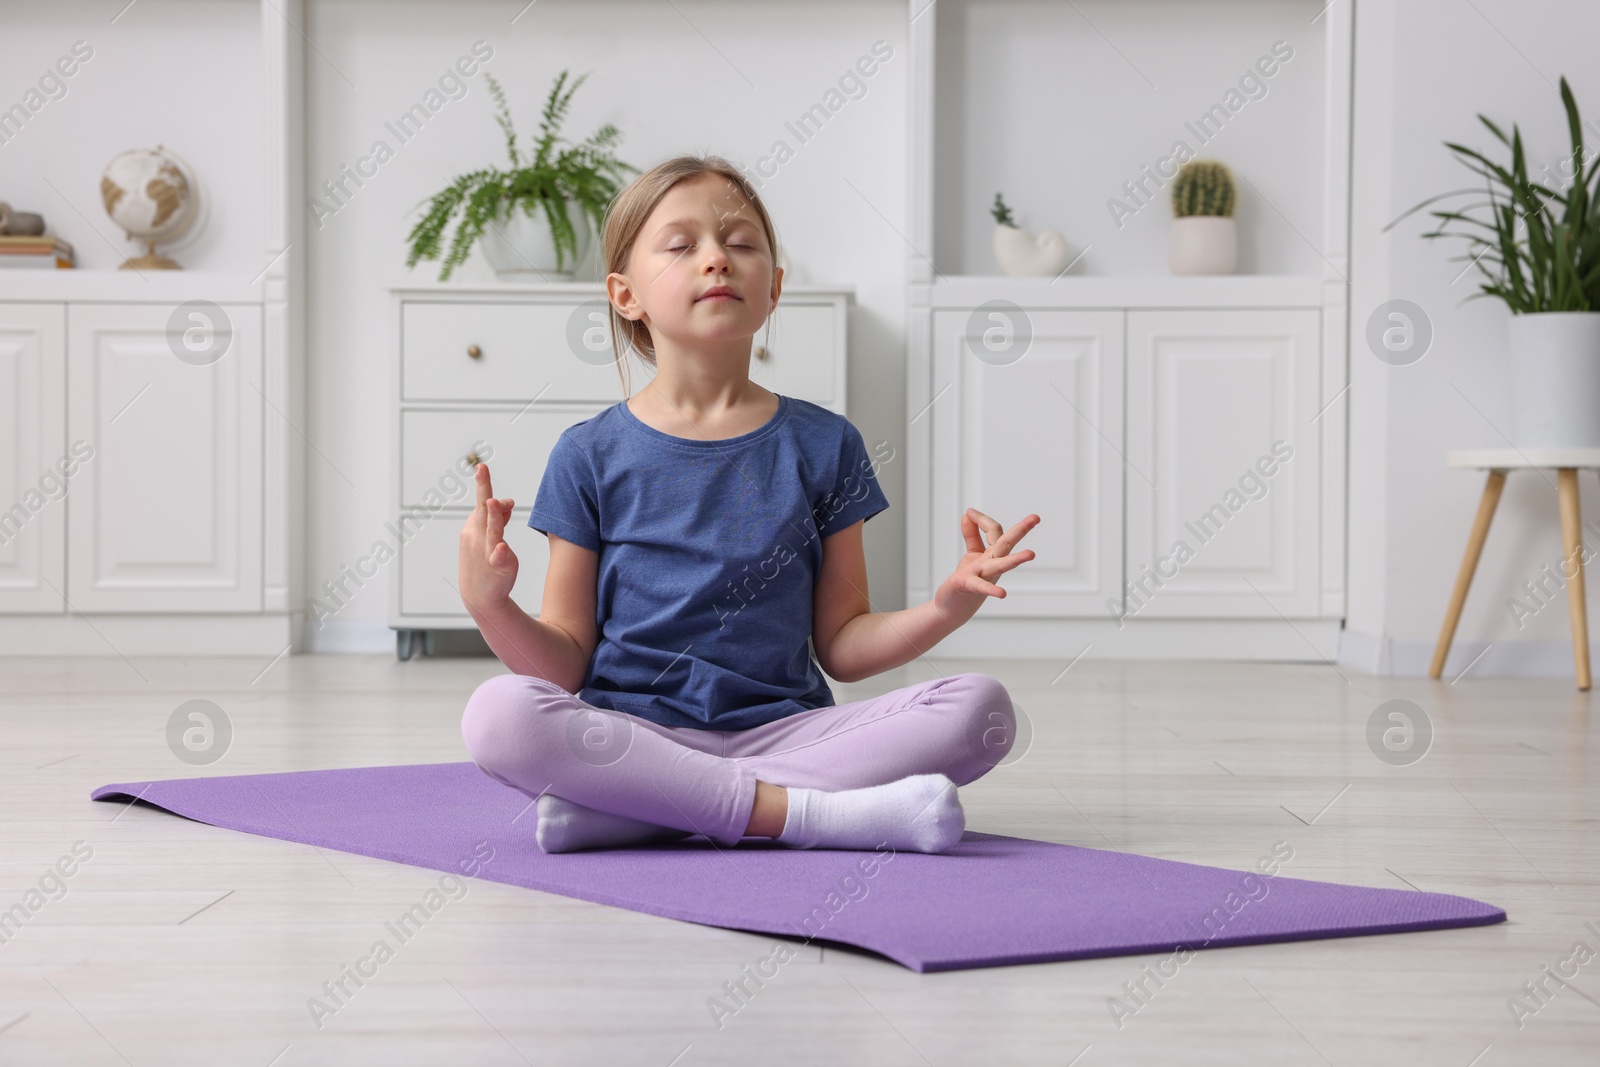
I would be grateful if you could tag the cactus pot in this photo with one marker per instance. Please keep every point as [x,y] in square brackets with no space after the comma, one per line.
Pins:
[1203,244]
[1555,379]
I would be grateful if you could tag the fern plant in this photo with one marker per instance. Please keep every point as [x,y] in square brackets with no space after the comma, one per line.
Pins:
[1203,187]
[586,174]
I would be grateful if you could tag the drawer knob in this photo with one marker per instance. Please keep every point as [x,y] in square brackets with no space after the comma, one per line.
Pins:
[761,351]
[473,460]
[474,351]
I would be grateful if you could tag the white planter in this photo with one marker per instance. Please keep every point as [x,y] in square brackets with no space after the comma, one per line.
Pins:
[1555,379]
[1203,244]
[520,248]
[1021,254]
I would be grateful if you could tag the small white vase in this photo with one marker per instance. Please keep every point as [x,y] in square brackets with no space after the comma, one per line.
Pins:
[1203,244]
[520,248]
[1555,379]
[1020,253]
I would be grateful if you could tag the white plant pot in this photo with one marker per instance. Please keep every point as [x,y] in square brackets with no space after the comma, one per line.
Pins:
[1021,254]
[1203,244]
[520,248]
[1555,379]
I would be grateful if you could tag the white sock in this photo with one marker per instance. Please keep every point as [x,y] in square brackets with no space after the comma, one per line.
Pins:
[566,826]
[920,813]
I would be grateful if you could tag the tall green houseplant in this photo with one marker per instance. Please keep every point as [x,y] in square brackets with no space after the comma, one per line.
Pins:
[586,174]
[1537,248]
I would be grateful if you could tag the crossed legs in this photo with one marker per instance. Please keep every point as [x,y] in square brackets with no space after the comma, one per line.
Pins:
[535,737]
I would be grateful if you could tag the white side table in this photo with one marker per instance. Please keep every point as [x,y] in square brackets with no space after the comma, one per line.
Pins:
[1497,461]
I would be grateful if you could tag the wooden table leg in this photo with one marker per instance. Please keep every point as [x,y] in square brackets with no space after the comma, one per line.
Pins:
[1572,571]
[1469,564]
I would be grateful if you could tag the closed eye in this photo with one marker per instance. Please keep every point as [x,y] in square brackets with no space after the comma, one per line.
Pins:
[682,248]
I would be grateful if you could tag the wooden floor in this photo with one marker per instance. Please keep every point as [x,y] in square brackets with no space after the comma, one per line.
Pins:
[180,943]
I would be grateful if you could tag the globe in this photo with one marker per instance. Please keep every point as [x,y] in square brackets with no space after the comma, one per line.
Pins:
[152,195]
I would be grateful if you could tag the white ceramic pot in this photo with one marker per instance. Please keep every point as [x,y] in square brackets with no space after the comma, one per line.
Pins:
[520,248]
[1022,254]
[1203,244]
[1555,379]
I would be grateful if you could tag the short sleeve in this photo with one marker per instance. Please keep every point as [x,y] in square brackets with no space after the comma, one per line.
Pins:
[567,503]
[856,496]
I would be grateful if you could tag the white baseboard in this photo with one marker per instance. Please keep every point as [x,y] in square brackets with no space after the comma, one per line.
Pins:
[1471,659]
[347,636]
[145,635]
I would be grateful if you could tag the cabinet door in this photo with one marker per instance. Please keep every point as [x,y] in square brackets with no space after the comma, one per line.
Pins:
[1224,463]
[168,516]
[1027,418]
[36,468]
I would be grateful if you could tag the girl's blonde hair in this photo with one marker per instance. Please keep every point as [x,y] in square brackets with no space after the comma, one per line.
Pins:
[626,216]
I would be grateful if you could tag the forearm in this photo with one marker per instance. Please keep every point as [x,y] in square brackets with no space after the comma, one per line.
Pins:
[529,646]
[877,641]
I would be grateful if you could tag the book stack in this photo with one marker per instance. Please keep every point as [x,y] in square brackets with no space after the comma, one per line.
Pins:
[46,252]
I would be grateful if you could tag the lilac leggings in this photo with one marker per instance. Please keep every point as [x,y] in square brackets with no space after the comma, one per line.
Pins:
[532,735]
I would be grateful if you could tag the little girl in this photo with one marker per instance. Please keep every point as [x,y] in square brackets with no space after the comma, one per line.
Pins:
[700,533]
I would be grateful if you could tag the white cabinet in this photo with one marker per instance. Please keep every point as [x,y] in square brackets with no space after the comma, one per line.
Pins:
[131,467]
[1173,455]
[1141,422]
[497,374]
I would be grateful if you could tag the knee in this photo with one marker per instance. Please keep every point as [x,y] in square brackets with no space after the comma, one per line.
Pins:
[500,715]
[989,719]
[984,697]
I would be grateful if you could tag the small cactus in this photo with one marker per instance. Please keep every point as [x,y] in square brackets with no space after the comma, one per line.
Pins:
[1001,213]
[1203,187]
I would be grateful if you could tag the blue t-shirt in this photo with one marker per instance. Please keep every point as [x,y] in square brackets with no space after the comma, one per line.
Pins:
[709,551]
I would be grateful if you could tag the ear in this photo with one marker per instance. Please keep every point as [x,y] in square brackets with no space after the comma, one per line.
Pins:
[619,290]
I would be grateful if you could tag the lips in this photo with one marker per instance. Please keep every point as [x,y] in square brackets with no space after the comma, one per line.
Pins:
[715,291]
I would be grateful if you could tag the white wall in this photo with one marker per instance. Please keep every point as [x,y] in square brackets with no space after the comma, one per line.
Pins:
[722,78]
[1424,70]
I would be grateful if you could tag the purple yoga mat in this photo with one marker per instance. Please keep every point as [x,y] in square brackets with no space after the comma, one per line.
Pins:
[990,900]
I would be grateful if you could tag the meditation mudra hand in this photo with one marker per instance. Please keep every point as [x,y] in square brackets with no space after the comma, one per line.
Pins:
[488,567]
[962,593]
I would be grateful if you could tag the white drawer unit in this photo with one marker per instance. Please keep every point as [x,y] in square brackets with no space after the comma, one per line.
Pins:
[497,373]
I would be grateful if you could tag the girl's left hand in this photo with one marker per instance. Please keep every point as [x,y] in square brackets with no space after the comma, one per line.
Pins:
[963,592]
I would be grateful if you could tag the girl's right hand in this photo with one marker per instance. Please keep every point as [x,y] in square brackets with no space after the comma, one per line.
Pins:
[488,567]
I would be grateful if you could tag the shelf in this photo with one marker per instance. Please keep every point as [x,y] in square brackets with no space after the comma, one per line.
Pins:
[129,287]
[1081,136]
[1232,290]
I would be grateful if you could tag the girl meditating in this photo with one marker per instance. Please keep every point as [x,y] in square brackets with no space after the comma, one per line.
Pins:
[701,533]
